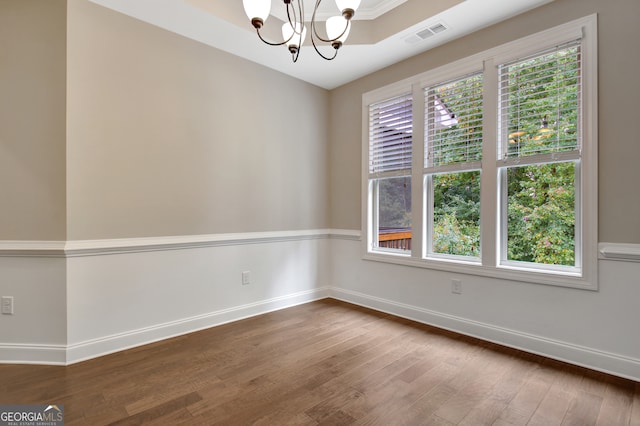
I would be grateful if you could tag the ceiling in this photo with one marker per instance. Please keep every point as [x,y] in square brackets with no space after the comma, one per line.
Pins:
[368,9]
[384,31]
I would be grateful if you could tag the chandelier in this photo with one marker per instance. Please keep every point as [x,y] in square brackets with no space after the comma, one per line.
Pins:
[294,30]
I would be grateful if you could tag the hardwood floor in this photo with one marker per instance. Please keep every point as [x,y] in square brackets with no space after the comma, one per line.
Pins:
[325,363]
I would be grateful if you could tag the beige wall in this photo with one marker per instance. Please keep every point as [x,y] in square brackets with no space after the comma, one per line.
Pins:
[32,119]
[167,136]
[619,140]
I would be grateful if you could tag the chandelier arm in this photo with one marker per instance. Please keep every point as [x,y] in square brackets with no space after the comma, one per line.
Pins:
[295,18]
[315,9]
[315,31]
[320,53]
[295,11]
[265,41]
[289,13]
[271,43]
[295,50]
[296,55]
[314,35]
[301,9]
[301,13]
[294,22]
[331,40]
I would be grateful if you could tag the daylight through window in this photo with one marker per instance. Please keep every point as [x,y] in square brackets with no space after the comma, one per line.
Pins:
[500,179]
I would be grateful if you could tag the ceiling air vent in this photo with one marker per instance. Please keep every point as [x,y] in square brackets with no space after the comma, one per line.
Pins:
[437,28]
[426,33]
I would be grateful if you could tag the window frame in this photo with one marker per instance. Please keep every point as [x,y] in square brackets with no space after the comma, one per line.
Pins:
[429,173]
[429,170]
[491,221]
[374,178]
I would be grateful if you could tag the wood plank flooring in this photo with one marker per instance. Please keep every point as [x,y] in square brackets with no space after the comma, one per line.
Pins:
[325,363]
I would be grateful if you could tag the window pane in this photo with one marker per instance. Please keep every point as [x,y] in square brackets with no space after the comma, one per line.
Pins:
[394,215]
[540,102]
[390,135]
[456,214]
[541,214]
[454,122]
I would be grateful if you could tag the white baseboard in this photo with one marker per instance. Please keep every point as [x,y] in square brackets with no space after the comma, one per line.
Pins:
[573,354]
[11,353]
[66,355]
[98,347]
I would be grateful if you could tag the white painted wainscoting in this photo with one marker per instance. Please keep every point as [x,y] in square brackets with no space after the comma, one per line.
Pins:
[104,296]
[36,276]
[82,299]
[596,329]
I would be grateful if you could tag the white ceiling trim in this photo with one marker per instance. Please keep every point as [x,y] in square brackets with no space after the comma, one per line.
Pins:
[353,62]
[368,13]
[368,10]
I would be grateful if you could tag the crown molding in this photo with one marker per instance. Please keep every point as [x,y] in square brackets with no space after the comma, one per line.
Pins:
[365,12]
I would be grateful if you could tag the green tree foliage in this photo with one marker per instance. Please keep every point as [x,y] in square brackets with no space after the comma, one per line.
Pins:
[456,228]
[541,213]
[543,99]
[542,94]
[541,102]
[456,196]
[455,137]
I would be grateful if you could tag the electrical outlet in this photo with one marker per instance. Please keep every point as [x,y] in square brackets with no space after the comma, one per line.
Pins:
[7,305]
[246,277]
[456,286]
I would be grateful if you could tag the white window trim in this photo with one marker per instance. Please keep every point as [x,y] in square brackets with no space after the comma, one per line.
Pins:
[586,194]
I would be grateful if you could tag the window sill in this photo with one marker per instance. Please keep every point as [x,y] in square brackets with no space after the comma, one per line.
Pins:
[511,273]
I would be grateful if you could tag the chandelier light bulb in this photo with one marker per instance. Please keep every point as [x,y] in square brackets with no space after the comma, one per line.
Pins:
[296,38]
[347,7]
[257,11]
[338,30]
[294,31]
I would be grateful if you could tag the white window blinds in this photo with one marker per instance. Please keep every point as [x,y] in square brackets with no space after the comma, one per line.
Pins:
[540,101]
[453,122]
[390,136]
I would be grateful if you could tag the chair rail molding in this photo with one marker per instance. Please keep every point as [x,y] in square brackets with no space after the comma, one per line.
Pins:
[97,247]
[619,251]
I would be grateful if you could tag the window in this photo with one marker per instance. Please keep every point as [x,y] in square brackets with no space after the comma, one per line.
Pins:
[453,147]
[390,156]
[540,100]
[488,165]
